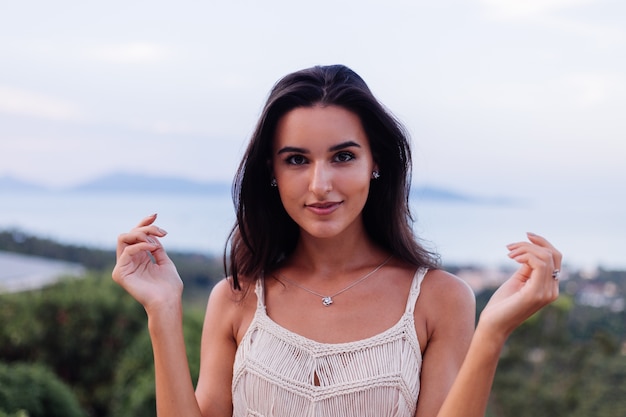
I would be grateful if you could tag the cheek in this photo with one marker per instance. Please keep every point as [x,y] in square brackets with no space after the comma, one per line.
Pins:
[357,182]
[290,190]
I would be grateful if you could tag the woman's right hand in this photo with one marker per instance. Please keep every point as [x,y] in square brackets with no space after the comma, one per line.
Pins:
[143,268]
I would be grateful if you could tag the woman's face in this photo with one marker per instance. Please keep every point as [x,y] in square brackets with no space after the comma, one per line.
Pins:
[323,166]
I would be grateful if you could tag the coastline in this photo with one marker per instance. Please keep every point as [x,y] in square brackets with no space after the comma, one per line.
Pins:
[20,272]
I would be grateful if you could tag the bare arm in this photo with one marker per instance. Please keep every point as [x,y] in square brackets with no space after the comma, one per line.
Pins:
[174,389]
[450,308]
[157,286]
[527,291]
[219,347]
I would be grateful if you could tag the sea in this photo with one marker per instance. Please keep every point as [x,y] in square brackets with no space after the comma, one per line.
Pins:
[463,233]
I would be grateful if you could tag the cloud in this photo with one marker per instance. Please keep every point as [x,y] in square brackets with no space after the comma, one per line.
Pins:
[523,9]
[591,90]
[551,14]
[598,91]
[130,53]
[25,103]
[163,127]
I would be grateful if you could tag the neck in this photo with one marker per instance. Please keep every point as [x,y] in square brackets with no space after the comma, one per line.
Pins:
[333,257]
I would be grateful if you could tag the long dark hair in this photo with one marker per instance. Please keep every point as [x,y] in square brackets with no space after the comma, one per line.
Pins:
[264,233]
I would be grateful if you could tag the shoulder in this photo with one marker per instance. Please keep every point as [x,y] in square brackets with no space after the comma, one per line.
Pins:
[446,297]
[442,283]
[445,318]
[225,313]
[230,308]
[224,293]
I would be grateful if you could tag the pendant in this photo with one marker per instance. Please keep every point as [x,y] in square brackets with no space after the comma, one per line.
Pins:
[327,301]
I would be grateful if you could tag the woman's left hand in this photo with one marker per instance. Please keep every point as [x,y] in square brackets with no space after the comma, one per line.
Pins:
[534,285]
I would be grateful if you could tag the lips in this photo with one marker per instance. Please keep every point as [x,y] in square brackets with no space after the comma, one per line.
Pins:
[324,208]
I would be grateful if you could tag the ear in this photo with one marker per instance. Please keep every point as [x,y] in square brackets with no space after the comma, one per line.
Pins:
[375,171]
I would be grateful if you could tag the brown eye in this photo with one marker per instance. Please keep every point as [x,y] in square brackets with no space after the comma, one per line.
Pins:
[296,160]
[344,157]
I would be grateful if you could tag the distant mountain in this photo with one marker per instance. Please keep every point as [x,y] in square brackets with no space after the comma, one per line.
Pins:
[10,184]
[146,184]
[136,183]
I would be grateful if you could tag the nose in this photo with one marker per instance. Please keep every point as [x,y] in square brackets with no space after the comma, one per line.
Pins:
[321,180]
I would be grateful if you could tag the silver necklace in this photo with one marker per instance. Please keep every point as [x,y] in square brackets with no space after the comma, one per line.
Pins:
[327,300]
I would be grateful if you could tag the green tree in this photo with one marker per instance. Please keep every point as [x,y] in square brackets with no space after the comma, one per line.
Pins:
[78,328]
[134,390]
[21,413]
[546,371]
[32,390]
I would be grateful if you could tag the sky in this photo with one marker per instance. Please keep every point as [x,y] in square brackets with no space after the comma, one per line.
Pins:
[521,98]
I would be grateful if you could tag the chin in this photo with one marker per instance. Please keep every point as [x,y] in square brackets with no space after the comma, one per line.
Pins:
[328,231]
[323,232]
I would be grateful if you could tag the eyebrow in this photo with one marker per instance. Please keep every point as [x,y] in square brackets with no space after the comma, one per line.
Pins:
[343,145]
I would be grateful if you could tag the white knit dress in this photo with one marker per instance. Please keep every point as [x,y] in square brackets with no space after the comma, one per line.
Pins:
[278,373]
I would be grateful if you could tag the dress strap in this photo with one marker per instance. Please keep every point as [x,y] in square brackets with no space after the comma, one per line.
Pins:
[259,289]
[416,286]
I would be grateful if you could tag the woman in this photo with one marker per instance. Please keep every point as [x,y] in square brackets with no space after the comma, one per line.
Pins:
[332,307]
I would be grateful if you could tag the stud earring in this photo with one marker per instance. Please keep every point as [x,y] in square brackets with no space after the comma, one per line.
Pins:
[273,183]
[375,175]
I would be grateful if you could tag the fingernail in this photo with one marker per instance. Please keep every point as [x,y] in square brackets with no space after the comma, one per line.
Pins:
[162,230]
[530,234]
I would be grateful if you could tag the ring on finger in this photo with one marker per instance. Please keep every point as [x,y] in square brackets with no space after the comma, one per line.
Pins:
[556,273]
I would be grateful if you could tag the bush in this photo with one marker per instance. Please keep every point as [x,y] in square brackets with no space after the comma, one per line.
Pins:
[134,390]
[32,390]
[20,413]
[78,328]
[544,371]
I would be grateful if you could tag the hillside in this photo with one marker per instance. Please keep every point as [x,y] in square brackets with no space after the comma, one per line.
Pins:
[137,183]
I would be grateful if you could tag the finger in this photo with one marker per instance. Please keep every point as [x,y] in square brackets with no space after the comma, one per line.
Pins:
[540,281]
[130,250]
[147,220]
[145,238]
[540,263]
[541,241]
[159,254]
[151,230]
[541,284]
[130,259]
[127,238]
[139,236]
[545,256]
[522,247]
